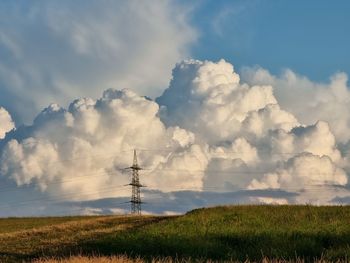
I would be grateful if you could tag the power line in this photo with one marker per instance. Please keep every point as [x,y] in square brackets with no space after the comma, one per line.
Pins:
[54,182]
[135,183]
[56,200]
[95,174]
[153,150]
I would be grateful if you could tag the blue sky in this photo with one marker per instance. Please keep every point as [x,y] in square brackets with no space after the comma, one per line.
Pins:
[309,37]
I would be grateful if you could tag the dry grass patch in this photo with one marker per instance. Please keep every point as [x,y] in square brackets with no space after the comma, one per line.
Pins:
[64,238]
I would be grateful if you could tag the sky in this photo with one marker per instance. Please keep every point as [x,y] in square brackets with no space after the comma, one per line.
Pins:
[226,102]
[309,37]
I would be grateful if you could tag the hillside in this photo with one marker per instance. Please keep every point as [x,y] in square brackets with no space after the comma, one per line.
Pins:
[220,233]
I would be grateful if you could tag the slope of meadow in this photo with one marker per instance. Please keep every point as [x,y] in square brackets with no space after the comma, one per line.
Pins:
[220,233]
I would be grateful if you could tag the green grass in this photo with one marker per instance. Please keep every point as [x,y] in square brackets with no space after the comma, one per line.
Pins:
[221,233]
[13,224]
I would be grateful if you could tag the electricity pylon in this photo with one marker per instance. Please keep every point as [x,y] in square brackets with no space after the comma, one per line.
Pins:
[135,183]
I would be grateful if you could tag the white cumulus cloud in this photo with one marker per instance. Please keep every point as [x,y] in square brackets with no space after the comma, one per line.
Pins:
[6,123]
[208,131]
[208,99]
[250,133]
[309,101]
[81,151]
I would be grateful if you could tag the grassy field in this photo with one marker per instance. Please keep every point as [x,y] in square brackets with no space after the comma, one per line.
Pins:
[223,233]
[8,225]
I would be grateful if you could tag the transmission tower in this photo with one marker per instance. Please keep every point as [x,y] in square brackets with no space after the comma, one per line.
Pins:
[135,183]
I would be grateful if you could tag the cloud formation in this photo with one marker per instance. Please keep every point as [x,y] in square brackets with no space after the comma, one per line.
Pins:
[309,101]
[208,132]
[84,149]
[57,51]
[6,123]
[208,99]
